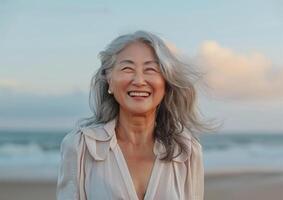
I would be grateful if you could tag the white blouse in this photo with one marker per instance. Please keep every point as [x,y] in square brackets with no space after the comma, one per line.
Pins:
[93,167]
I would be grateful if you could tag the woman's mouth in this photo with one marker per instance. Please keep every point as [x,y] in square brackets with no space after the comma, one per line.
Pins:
[138,94]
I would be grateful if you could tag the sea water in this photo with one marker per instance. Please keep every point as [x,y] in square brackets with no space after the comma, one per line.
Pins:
[35,155]
[238,151]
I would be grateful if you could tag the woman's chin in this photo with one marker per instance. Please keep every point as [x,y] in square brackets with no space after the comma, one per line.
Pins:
[141,111]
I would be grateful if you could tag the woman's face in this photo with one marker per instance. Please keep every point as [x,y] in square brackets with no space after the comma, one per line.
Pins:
[136,81]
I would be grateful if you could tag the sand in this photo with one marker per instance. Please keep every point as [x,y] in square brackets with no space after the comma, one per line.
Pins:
[27,190]
[249,185]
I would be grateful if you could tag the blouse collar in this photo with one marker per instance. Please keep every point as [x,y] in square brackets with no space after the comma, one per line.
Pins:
[100,139]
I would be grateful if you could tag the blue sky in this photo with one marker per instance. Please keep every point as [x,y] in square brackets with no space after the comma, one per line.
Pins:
[48,53]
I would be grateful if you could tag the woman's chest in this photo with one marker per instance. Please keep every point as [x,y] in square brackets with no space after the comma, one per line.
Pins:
[140,167]
[111,179]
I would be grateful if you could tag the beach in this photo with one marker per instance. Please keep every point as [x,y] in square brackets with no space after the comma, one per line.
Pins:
[28,190]
[237,167]
[247,185]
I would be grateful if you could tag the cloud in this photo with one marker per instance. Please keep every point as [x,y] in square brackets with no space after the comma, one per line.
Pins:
[23,107]
[22,104]
[9,83]
[237,76]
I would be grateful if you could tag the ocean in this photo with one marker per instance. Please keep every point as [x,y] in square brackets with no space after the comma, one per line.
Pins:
[35,155]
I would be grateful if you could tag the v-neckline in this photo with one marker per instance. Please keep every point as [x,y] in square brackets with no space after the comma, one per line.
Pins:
[128,178]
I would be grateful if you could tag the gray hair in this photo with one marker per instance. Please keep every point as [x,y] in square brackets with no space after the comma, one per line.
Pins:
[176,112]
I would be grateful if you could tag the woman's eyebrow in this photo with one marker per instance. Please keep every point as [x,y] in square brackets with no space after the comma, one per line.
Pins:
[126,62]
[151,62]
[133,63]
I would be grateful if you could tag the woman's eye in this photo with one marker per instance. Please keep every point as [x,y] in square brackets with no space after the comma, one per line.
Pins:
[127,69]
[151,69]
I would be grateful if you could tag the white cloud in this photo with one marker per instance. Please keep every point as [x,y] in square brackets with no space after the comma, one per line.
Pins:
[22,107]
[8,85]
[16,101]
[236,76]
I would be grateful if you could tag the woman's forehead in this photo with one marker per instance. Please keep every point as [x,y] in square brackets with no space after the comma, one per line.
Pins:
[137,49]
[132,62]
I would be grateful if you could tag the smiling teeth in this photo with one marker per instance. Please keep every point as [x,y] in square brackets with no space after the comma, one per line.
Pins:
[139,94]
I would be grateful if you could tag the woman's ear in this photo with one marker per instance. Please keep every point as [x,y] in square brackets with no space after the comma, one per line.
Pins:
[109,81]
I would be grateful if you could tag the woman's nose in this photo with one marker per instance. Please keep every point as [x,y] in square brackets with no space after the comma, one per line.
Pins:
[139,79]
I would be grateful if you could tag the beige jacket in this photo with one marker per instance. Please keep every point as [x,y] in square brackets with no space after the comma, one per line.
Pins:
[93,167]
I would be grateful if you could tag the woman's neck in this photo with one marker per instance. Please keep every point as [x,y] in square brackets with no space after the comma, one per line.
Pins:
[135,129]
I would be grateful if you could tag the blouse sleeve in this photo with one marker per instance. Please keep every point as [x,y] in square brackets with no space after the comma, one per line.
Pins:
[195,174]
[67,187]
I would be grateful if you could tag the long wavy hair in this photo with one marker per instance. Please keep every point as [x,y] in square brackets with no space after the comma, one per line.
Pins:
[178,109]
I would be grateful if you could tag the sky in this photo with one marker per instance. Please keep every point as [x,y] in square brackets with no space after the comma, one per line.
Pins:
[48,54]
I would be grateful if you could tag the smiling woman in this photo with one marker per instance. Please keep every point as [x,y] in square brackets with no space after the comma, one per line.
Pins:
[141,141]
[136,81]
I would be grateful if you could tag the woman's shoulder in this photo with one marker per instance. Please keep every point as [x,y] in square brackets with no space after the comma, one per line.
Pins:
[191,137]
[97,138]
[72,139]
[193,142]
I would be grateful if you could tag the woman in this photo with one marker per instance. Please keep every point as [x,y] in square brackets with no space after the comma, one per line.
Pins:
[140,142]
